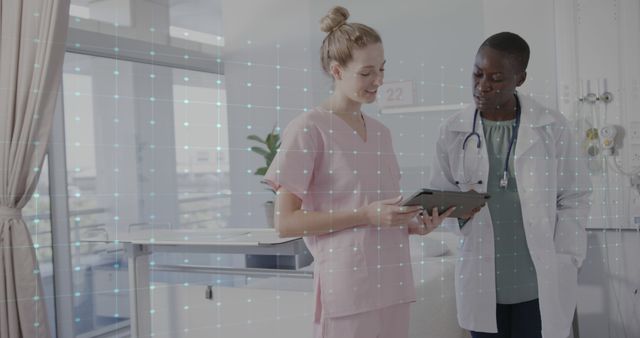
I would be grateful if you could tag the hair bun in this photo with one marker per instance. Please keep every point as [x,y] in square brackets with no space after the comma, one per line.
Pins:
[336,17]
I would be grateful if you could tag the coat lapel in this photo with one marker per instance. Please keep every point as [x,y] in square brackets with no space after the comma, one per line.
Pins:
[533,117]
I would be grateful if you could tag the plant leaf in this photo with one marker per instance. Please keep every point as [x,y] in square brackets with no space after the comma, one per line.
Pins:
[256,138]
[270,141]
[273,146]
[261,171]
[270,158]
[260,151]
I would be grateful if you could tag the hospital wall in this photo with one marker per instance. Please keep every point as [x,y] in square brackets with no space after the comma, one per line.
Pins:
[259,37]
[597,50]
[433,44]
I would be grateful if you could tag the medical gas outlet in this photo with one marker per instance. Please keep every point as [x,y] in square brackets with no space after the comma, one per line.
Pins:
[608,139]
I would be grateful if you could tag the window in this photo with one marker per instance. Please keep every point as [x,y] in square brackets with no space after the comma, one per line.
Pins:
[146,146]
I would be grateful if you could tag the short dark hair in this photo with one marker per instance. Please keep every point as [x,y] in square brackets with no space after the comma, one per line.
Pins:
[511,44]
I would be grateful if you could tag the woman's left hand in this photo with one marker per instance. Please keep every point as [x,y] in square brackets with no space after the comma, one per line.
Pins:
[429,222]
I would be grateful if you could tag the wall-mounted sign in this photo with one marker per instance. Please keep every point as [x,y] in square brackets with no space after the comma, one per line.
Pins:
[396,94]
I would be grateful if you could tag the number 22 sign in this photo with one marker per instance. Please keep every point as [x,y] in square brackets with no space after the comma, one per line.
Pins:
[395,94]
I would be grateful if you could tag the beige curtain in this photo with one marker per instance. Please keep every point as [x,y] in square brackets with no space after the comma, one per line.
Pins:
[33,33]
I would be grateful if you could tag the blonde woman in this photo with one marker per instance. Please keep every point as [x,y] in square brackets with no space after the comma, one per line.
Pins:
[337,180]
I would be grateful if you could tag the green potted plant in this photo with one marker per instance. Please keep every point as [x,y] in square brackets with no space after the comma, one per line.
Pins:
[268,151]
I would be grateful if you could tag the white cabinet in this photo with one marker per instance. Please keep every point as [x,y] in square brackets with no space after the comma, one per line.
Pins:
[183,311]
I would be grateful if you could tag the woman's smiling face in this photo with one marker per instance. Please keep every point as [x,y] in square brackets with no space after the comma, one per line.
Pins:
[360,79]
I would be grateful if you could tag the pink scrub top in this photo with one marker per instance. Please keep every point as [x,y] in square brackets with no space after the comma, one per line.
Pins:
[324,162]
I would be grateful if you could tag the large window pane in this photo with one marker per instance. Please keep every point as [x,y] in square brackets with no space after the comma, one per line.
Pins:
[147,147]
[202,149]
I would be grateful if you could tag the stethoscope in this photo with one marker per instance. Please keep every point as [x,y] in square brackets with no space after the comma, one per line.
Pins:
[504,182]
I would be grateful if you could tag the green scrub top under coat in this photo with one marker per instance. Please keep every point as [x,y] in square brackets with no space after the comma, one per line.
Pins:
[516,280]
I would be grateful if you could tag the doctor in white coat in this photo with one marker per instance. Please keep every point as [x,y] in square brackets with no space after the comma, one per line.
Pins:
[517,271]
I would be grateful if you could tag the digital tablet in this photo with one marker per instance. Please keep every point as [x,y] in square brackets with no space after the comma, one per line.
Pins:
[443,200]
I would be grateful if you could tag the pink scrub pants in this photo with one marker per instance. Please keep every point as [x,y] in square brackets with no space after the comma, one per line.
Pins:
[389,322]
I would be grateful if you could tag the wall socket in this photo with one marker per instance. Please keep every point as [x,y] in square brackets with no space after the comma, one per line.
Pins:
[634,201]
[634,133]
[634,156]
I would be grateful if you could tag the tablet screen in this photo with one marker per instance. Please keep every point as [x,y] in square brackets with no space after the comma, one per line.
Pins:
[443,200]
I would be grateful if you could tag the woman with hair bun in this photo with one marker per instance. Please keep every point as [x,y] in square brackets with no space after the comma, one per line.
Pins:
[338,185]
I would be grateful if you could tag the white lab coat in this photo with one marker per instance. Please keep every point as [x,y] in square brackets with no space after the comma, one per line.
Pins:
[554,191]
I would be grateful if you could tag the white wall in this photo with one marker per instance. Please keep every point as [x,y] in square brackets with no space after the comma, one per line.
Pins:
[598,50]
[259,36]
[535,22]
